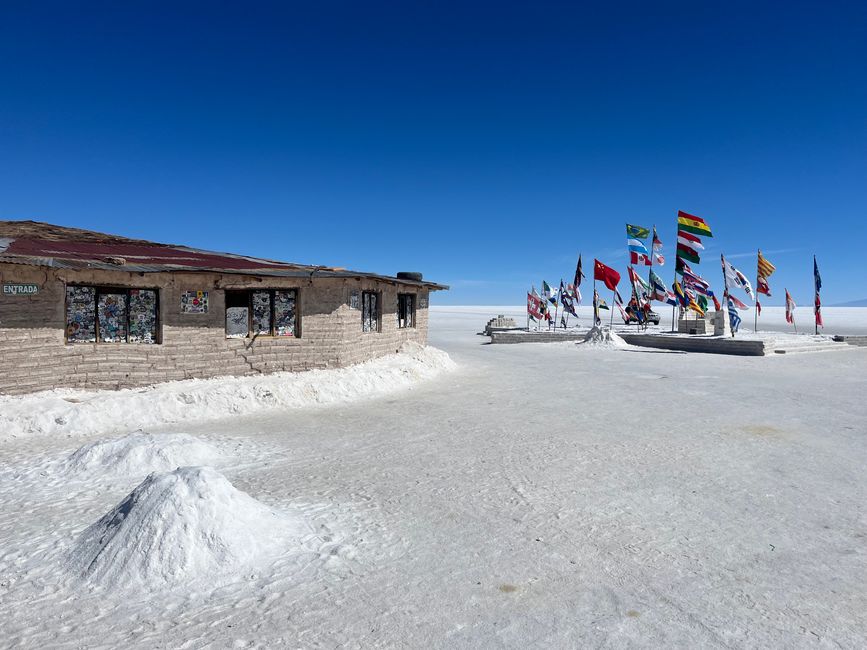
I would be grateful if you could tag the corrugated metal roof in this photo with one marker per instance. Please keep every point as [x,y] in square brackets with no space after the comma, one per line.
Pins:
[72,248]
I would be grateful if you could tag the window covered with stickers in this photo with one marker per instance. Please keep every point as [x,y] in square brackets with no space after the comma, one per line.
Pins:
[369,311]
[111,315]
[266,312]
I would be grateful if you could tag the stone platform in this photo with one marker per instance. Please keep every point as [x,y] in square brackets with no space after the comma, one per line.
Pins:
[749,345]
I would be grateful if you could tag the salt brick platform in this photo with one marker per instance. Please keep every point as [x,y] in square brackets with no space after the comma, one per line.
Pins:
[747,346]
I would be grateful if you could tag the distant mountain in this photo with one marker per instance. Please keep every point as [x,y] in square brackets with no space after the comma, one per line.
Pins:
[852,303]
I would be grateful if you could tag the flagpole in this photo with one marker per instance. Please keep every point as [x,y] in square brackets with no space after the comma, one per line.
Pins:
[595,304]
[815,296]
[674,306]
[756,326]
[649,271]
[611,320]
[722,260]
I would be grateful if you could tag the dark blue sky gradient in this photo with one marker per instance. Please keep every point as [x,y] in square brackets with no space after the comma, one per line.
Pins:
[484,144]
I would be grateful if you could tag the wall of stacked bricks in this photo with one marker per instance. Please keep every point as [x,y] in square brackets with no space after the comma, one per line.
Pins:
[34,354]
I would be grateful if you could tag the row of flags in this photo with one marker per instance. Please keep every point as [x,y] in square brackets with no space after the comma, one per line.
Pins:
[689,290]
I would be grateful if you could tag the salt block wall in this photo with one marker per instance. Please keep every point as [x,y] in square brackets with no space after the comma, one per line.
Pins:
[34,354]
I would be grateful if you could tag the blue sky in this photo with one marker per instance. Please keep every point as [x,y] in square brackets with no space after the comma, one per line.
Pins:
[483,143]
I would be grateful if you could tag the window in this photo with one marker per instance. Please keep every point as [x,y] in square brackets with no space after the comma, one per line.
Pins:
[405,310]
[267,312]
[111,315]
[369,311]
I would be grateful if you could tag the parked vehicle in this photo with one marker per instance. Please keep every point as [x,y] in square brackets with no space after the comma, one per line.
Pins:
[652,317]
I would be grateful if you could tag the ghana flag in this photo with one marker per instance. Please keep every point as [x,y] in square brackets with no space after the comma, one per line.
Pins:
[692,224]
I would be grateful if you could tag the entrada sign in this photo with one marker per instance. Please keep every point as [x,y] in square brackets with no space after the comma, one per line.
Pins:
[20,289]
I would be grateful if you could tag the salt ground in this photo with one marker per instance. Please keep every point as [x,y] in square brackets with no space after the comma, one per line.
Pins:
[544,495]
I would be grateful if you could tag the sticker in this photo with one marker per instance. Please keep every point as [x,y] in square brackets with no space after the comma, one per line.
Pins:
[261,301]
[284,313]
[194,302]
[142,316]
[111,311]
[237,322]
[80,314]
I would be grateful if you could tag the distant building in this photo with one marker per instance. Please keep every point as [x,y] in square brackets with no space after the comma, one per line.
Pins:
[82,309]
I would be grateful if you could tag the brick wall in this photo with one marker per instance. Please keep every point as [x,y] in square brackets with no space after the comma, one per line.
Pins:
[34,354]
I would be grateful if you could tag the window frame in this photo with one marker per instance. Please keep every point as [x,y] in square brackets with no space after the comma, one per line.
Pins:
[364,298]
[102,289]
[413,300]
[272,299]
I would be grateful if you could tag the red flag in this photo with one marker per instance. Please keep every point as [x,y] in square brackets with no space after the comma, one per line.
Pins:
[818,309]
[758,306]
[716,304]
[533,305]
[605,273]
[790,308]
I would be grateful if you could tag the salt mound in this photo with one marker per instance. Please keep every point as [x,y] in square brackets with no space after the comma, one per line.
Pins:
[176,527]
[598,337]
[138,454]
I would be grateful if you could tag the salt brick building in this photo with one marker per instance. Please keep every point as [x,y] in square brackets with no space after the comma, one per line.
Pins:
[82,309]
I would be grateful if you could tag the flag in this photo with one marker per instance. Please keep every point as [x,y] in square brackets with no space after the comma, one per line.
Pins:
[696,282]
[734,319]
[790,308]
[659,291]
[576,295]
[758,307]
[533,306]
[605,273]
[817,281]
[638,281]
[566,300]
[765,268]
[549,293]
[701,299]
[689,241]
[736,277]
[623,313]
[685,252]
[679,294]
[579,274]
[762,286]
[680,266]
[636,232]
[656,247]
[695,307]
[638,252]
[737,302]
[692,224]
[596,320]
[716,304]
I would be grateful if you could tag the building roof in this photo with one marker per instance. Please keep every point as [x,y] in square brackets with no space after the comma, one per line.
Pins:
[43,244]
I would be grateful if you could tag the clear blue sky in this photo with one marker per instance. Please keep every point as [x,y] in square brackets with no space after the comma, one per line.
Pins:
[483,143]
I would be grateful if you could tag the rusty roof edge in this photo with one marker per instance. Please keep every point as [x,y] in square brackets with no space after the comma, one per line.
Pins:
[302,272]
